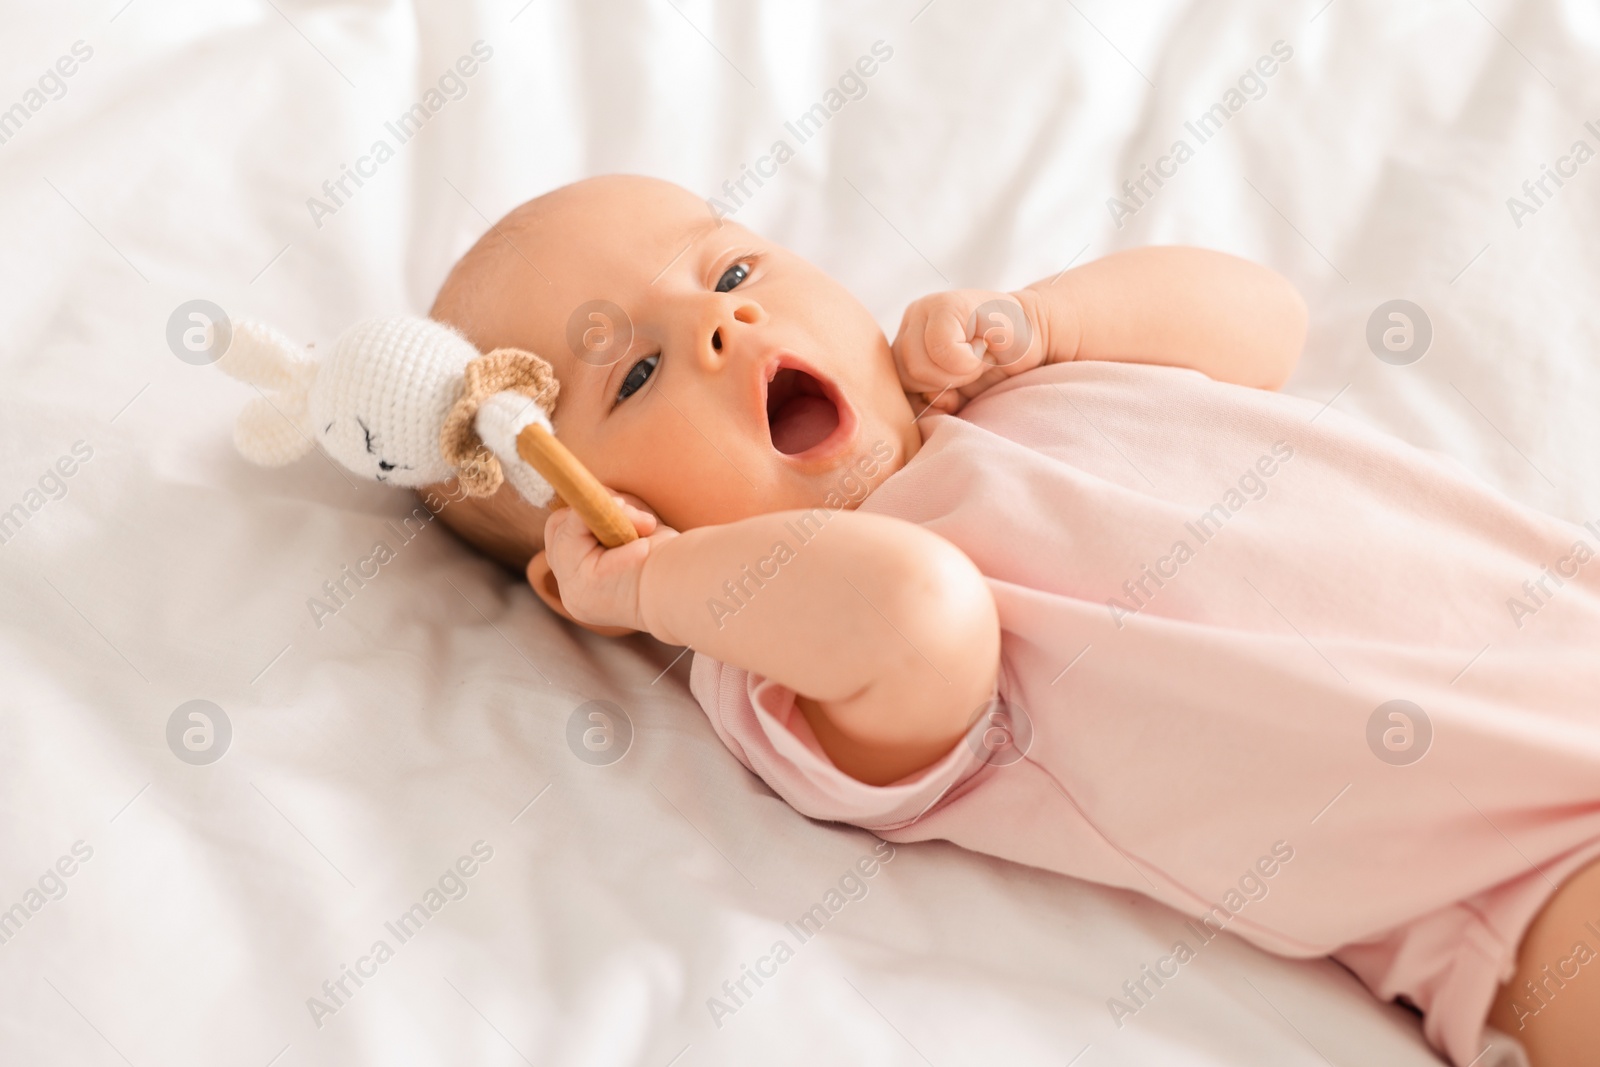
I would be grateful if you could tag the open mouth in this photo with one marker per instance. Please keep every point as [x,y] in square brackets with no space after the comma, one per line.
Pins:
[800,412]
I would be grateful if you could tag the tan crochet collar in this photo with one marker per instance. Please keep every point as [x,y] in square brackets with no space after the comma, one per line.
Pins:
[503,370]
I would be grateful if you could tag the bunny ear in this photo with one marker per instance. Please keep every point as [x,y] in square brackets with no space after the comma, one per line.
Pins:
[271,430]
[268,436]
[262,356]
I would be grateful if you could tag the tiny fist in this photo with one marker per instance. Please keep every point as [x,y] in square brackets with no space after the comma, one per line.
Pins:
[1001,326]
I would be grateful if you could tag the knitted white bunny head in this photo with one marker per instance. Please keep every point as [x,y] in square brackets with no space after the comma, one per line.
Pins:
[404,401]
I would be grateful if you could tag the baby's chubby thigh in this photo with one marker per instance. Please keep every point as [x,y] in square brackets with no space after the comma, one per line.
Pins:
[1552,1003]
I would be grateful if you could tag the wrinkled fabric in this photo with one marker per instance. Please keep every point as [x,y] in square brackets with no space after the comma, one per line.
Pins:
[1210,599]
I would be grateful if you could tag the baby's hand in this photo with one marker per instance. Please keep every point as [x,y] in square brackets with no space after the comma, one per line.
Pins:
[952,346]
[599,585]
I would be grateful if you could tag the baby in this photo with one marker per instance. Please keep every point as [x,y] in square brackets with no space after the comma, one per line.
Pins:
[1058,577]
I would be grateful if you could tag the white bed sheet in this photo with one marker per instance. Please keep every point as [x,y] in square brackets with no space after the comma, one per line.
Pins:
[430,713]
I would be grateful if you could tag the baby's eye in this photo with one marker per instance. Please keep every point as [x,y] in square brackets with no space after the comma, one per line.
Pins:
[637,375]
[733,276]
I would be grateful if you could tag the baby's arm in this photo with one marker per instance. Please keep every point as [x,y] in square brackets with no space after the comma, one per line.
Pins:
[887,630]
[1228,318]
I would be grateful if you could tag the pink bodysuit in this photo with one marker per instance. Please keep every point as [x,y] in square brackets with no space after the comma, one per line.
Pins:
[1274,668]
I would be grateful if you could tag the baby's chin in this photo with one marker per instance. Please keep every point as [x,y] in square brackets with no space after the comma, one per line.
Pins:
[847,482]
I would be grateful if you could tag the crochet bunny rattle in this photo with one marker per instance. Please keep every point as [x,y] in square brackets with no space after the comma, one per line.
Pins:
[409,402]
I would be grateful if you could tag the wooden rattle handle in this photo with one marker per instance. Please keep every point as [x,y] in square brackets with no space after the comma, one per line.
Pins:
[574,484]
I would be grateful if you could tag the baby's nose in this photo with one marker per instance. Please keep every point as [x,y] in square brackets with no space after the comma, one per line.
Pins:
[727,322]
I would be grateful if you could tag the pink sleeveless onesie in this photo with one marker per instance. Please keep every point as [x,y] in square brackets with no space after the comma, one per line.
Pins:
[1272,667]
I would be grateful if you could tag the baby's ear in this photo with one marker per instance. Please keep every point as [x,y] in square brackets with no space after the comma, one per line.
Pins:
[543,580]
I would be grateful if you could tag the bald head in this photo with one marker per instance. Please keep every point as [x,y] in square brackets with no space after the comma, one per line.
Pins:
[613,218]
[518,262]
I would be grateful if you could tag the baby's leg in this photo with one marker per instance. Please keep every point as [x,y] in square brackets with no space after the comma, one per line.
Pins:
[1552,1003]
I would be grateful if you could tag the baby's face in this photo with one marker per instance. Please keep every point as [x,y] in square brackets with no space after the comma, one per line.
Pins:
[708,372]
